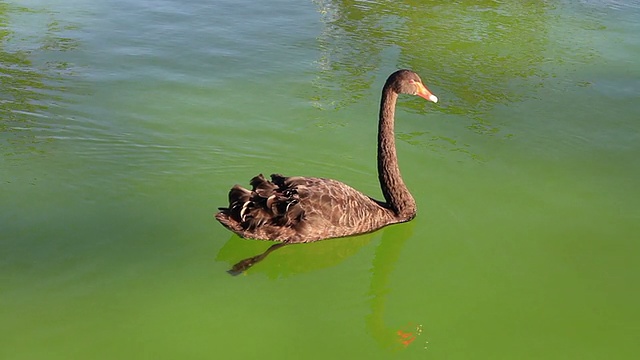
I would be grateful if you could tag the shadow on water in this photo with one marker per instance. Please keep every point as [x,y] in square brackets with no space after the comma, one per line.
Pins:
[471,53]
[29,89]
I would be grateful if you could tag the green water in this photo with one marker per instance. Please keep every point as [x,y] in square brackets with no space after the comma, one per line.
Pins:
[123,125]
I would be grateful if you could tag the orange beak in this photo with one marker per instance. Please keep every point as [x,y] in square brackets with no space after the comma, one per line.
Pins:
[425,93]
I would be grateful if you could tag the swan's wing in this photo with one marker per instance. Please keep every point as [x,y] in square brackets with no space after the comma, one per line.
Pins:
[300,209]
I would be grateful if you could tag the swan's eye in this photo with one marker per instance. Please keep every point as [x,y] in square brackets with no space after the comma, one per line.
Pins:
[415,87]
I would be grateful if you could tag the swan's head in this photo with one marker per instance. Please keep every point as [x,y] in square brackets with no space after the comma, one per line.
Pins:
[408,82]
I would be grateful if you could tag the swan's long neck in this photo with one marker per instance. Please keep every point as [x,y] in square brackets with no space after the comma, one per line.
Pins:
[394,190]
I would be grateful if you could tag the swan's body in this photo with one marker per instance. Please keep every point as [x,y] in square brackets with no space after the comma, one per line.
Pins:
[304,209]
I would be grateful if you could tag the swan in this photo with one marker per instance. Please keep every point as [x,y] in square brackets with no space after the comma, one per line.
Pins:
[305,209]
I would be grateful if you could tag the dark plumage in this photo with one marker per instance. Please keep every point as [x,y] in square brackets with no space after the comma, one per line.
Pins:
[305,209]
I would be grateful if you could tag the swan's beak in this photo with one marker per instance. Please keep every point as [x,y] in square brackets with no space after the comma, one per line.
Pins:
[425,93]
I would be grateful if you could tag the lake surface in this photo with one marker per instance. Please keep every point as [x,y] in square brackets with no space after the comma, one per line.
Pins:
[124,124]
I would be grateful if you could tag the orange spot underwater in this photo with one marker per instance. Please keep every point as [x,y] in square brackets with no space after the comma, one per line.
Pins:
[406,338]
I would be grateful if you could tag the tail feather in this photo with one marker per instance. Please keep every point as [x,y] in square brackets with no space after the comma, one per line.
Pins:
[273,202]
[262,186]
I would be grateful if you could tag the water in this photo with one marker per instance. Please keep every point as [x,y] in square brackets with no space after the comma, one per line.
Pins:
[124,124]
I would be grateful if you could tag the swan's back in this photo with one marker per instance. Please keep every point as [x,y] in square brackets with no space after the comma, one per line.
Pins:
[302,209]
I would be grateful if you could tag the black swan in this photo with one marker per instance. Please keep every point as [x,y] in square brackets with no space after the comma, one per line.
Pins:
[306,209]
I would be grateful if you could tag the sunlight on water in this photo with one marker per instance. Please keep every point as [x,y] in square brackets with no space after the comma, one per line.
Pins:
[124,124]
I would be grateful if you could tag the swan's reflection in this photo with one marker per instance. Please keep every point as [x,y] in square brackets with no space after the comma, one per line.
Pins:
[304,257]
[243,265]
[327,253]
[383,264]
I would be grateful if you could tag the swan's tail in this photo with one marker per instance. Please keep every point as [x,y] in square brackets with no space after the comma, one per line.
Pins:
[269,202]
